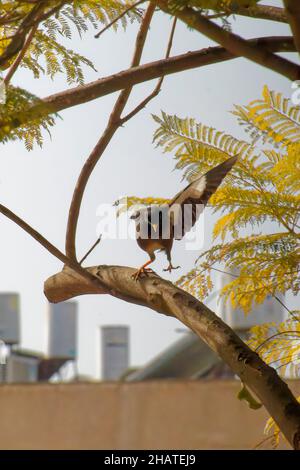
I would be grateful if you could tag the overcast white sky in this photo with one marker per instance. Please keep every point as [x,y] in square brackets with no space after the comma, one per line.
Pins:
[38,185]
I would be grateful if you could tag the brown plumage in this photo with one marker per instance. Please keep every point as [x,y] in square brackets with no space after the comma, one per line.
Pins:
[158,226]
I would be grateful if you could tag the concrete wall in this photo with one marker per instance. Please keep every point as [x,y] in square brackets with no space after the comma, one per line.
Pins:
[146,415]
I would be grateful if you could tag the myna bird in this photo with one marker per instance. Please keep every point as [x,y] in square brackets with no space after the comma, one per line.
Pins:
[158,226]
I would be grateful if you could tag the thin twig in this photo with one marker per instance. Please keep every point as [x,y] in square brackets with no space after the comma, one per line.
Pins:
[50,247]
[21,55]
[232,42]
[90,250]
[281,358]
[266,440]
[118,18]
[157,89]
[217,15]
[287,332]
[31,231]
[284,364]
[97,152]
[5,22]
[266,287]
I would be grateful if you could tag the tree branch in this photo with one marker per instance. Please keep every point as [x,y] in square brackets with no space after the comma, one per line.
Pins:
[20,56]
[263,12]
[162,296]
[235,44]
[134,75]
[292,8]
[153,291]
[97,152]
[33,233]
[157,89]
[91,282]
[54,10]
[90,250]
[32,19]
[18,40]
[109,25]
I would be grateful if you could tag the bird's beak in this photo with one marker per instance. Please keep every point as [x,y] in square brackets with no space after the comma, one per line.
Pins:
[155,227]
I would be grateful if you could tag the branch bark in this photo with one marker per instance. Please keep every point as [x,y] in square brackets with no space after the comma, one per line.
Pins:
[292,8]
[263,12]
[134,75]
[162,296]
[235,44]
[157,88]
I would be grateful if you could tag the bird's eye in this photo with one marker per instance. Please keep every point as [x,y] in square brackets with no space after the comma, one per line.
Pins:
[135,215]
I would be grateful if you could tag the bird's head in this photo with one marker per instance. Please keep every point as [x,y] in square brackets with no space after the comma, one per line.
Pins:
[135,215]
[140,213]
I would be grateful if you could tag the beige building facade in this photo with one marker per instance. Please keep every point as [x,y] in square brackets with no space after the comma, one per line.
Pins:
[203,414]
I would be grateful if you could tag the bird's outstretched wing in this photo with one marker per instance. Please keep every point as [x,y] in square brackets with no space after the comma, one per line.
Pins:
[186,207]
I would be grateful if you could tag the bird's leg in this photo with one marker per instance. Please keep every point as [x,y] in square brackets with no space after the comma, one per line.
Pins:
[143,270]
[170,267]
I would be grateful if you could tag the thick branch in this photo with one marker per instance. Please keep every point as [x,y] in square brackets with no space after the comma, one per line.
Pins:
[31,20]
[113,124]
[18,40]
[232,42]
[263,12]
[292,8]
[132,76]
[163,297]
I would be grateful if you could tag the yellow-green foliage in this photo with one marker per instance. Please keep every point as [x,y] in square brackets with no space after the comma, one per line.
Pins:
[264,185]
[46,45]
[17,100]
[57,58]
[197,281]
[273,118]
[279,345]
[196,147]
[47,53]
[273,431]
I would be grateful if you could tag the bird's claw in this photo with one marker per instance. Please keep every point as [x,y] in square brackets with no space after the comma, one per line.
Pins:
[170,268]
[140,272]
